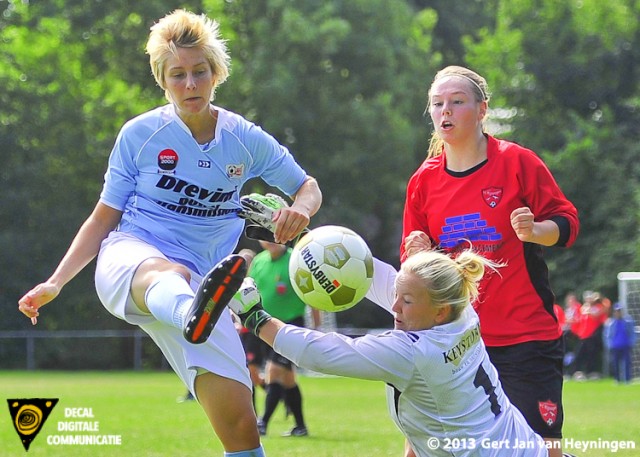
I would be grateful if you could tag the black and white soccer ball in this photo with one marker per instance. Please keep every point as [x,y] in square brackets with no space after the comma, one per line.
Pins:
[331,268]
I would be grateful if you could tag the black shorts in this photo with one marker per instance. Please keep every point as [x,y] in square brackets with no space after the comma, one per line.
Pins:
[281,360]
[531,376]
[255,349]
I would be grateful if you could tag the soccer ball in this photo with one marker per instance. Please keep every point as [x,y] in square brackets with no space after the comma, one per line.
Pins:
[331,268]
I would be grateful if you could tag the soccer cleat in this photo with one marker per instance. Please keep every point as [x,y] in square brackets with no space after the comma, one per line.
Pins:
[297,431]
[186,397]
[262,428]
[212,296]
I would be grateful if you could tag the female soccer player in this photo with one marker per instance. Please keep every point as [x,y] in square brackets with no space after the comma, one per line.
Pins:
[442,390]
[168,212]
[501,198]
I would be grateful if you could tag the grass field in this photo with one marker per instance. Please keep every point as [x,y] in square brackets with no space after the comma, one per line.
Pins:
[346,418]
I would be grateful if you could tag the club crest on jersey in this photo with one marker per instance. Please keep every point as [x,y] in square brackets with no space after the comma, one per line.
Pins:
[167,160]
[548,411]
[235,171]
[492,196]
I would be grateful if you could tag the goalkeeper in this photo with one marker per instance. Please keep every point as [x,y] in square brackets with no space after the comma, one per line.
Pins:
[443,392]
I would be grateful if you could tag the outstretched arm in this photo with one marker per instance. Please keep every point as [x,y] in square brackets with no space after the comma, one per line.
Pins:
[83,249]
[387,357]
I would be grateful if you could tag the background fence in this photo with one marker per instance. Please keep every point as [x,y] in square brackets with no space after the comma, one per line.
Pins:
[79,349]
[98,349]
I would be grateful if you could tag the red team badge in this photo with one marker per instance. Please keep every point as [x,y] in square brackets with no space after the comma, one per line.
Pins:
[548,411]
[492,196]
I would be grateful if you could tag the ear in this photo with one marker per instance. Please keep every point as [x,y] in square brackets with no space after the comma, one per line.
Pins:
[443,316]
[484,107]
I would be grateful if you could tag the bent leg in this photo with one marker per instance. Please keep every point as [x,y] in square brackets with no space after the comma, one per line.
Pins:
[149,272]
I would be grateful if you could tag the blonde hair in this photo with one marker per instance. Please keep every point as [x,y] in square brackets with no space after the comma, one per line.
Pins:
[449,281]
[183,29]
[480,90]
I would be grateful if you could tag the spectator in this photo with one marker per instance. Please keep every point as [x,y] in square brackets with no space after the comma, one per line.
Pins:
[572,313]
[561,316]
[588,361]
[571,329]
[619,339]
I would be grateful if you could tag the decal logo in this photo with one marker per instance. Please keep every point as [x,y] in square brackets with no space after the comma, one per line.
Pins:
[235,171]
[204,164]
[29,415]
[492,196]
[168,160]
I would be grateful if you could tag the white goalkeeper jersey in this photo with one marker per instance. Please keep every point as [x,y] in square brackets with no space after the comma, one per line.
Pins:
[183,197]
[442,391]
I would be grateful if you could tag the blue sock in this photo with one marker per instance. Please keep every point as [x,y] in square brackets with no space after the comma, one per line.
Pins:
[169,299]
[257,452]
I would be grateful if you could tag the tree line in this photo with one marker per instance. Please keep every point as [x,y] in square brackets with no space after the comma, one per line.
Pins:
[343,84]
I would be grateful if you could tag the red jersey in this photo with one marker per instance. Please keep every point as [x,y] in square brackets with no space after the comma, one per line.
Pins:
[573,316]
[592,317]
[474,208]
[560,315]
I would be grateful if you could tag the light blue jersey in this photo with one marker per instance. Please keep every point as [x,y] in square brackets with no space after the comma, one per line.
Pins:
[184,198]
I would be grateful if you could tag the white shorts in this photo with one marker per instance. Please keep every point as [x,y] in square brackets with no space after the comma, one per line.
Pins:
[222,354]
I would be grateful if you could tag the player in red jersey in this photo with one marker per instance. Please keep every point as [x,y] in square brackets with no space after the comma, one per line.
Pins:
[501,199]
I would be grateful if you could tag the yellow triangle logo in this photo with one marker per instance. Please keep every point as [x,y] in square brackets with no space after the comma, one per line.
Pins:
[29,415]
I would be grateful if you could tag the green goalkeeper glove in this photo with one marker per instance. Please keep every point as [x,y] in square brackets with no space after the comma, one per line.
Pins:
[247,304]
[259,209]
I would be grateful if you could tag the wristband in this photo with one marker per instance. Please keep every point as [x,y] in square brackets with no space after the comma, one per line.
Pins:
[253,321]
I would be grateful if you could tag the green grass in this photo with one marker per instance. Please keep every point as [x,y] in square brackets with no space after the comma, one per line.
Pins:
[345,417]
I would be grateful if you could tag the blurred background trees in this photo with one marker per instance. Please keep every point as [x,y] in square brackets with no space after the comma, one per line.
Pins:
[343,84]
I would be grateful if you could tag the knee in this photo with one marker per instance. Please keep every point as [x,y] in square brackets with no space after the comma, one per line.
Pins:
[151,269]
[247,423]
[177,268]
[149,272]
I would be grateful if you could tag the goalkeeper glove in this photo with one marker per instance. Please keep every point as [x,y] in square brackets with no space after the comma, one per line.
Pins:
[259,209]
[247,304]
